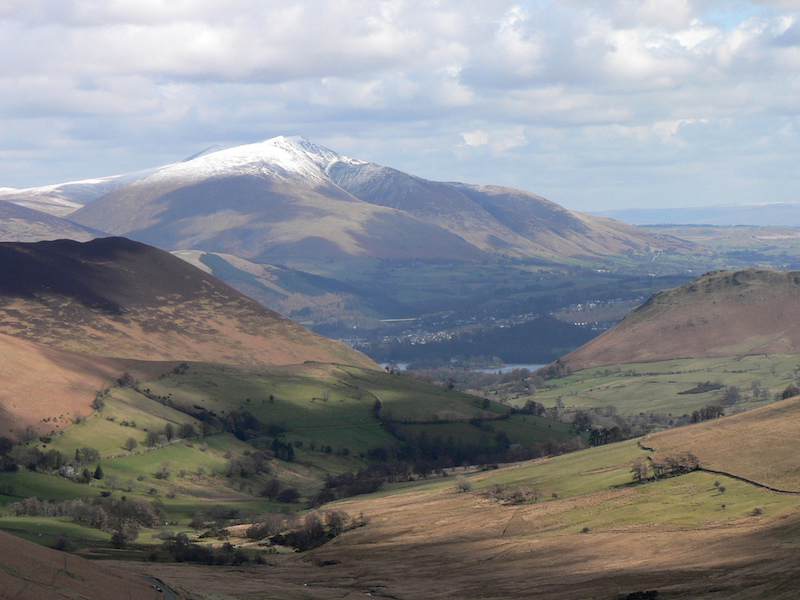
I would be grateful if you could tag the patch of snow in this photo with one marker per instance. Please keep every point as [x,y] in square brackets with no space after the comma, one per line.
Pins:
[283,158]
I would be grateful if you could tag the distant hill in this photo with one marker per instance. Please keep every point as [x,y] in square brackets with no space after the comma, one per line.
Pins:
[762,214]
[116,298]
[289,198]
[722,313]
[297,294]
[21,224]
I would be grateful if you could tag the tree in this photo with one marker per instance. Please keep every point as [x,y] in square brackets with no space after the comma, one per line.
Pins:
[582,421]
[98,472]
[152,438]
[639,469]
[119,539]
[732,395]
[288,496]
[86,455]
[5,445]
[198,521]
[130,444]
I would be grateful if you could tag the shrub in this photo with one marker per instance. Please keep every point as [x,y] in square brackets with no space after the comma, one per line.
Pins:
[463,484]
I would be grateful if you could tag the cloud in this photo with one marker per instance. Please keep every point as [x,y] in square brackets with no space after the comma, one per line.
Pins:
[567,99]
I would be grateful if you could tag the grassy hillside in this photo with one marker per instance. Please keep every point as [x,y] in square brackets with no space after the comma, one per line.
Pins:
[204,435]
[759,445]
[574,526]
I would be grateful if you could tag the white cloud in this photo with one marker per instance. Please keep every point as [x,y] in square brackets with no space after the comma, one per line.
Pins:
[563,98]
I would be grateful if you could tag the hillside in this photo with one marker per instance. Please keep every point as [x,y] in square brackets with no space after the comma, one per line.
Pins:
[758,444]
[48,388]
[32,572]
[289,198]
[21,224]
[590,532]
[113,297]
[722,313]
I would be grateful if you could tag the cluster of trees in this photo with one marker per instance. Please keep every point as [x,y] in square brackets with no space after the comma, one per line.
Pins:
[664,466]
[12,457]
[502,493]
[790,391]
[107,514]
[605,425]
[249,464]
[182,550]
[313,530]
[707,413]
[365,481]
[167,434]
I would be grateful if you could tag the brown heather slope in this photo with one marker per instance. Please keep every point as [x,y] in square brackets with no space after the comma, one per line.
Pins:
[48,388]
[759,445]
[32,572]
[722,313]
[116,298]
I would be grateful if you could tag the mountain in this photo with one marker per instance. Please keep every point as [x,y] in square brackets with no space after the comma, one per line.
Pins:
[722,313]
[287,197]
[113,297]
[74,316]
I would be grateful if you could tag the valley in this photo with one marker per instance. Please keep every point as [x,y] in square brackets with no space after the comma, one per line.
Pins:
[160,414]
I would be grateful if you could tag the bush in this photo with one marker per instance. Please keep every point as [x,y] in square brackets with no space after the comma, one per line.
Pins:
[63,543]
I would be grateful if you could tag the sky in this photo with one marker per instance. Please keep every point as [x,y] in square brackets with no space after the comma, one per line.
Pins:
[593,104]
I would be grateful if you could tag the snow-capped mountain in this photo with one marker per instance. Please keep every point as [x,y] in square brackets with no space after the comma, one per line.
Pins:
[288,197]
[62,199]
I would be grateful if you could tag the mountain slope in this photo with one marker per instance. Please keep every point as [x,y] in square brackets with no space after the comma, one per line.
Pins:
[48,388]
[20,224]
[735,444]
[287,197]
[267,200]
[33,572]
[117,298]
[722,313]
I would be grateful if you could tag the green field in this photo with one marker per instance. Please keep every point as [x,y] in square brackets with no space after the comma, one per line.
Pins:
[655,387]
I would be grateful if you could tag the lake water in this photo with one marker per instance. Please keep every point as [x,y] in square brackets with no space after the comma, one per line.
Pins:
[504,369]
[508,368]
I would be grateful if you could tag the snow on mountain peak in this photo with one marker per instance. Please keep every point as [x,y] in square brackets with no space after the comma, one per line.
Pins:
[280,157]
